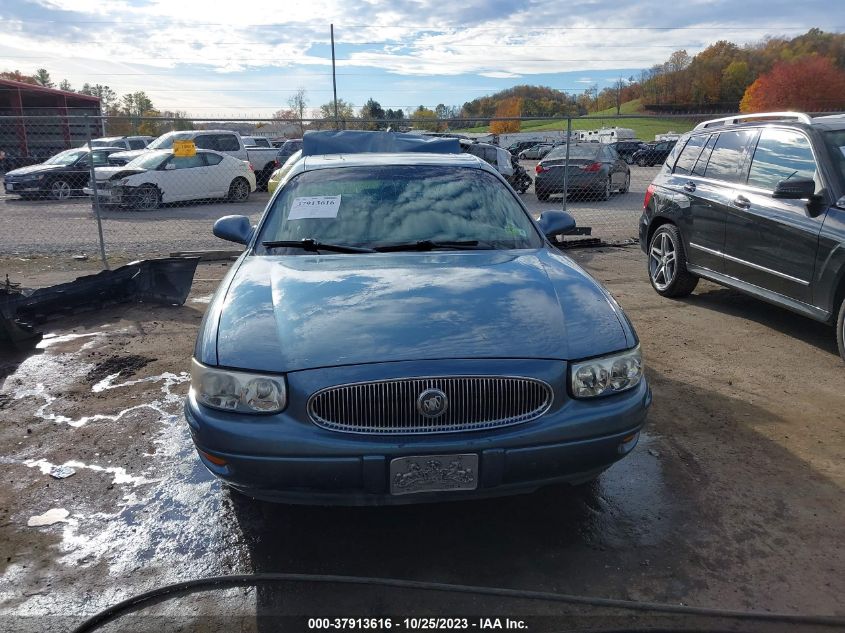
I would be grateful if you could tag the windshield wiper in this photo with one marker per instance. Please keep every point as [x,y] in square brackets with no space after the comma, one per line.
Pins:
[313,246]
[429,245]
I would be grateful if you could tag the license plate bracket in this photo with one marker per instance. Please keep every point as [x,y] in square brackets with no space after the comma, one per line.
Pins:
[433,473]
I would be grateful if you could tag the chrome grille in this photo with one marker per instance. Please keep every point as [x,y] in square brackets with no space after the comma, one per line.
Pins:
[390,406]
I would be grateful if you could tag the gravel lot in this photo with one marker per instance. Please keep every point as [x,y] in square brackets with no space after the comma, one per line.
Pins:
[50,227]
[733,499]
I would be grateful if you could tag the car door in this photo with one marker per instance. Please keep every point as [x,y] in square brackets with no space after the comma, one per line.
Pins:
[218,173]
[184,178]
[772,242]
[691,206]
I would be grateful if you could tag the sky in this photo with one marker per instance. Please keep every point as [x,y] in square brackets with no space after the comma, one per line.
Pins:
[213,58]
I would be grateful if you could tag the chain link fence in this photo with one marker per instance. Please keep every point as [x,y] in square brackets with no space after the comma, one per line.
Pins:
[149,198]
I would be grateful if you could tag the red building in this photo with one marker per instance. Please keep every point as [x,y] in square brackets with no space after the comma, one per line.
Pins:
[37,122]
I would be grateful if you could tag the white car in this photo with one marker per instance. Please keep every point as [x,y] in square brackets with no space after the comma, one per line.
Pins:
[158,177]
[126,142]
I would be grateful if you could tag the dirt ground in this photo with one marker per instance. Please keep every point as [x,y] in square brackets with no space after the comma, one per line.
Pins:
[733,499]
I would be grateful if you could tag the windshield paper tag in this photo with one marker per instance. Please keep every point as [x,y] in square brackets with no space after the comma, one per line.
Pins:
[314,207]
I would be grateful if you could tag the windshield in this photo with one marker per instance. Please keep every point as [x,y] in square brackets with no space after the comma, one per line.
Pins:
[575,151]
[377,206]
[109,142]
[148,160]
[835,140]
[165,141]
[68,157]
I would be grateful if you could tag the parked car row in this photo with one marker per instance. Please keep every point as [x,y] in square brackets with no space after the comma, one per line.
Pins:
[262,159]
[59,177]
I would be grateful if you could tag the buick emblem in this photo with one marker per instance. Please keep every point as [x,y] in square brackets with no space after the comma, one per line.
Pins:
[432,403]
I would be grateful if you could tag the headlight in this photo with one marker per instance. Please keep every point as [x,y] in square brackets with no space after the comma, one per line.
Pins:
[606,375]
[236,390]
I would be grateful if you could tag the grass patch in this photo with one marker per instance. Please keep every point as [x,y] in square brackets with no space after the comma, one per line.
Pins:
[645,128]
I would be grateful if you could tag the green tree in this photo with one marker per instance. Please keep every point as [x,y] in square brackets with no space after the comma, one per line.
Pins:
[735,80]
[65,85]
[373,110]
[42,78]
[345,114]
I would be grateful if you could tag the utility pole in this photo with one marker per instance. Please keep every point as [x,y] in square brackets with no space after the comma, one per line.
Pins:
[334,83]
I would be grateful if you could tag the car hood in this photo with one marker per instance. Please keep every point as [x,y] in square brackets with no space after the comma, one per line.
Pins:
[34,169]
[301,312]
[114,172]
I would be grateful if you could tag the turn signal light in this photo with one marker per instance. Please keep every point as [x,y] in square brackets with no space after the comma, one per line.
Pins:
[217,461]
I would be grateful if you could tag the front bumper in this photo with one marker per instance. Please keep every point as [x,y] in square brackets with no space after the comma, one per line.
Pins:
[287,458]
[107,195]
[25,186]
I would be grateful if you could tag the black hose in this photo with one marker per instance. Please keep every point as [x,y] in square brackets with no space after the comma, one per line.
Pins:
[213,583]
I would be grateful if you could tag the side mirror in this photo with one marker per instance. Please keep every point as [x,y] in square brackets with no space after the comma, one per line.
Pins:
[795,189]
[233,228]
[554,223]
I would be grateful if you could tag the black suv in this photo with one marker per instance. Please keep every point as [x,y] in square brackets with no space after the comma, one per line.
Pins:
[756,203]
[651,154]
[626,149]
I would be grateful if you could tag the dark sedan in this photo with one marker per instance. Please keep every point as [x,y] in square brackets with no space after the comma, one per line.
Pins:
[653,153]
[59,177]
[399,329]
[626,149]
[595,170]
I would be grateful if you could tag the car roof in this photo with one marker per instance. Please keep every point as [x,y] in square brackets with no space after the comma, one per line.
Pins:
[830,122]
[328,161]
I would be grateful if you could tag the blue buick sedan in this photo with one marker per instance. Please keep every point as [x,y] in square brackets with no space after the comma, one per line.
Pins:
[400,330]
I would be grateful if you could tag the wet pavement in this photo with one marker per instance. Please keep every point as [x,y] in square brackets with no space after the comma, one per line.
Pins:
[733,498]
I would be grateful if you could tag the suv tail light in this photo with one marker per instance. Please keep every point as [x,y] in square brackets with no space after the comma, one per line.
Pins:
[592,167]
[648,193]
[539,169]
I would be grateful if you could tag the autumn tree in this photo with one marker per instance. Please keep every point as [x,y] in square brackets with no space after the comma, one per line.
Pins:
[507,108]
[811,83]
[427,119]
[16,75]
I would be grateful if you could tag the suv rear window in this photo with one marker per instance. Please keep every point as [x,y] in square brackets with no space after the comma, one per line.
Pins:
[690,154]
[727,154]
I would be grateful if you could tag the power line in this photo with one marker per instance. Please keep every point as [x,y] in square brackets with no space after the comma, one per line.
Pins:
[431,28]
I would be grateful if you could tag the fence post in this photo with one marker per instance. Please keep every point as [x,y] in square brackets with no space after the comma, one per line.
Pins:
[566,161]
[96,201]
